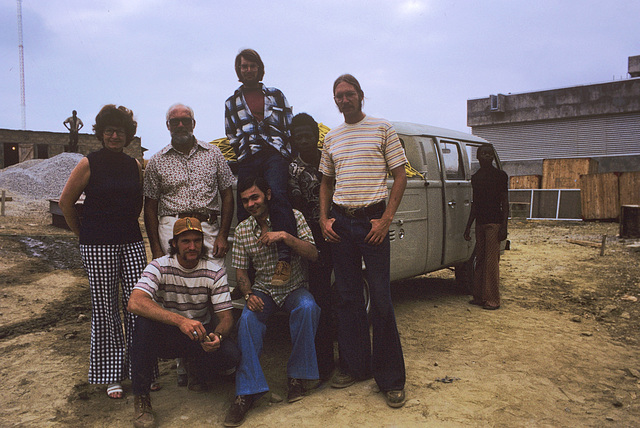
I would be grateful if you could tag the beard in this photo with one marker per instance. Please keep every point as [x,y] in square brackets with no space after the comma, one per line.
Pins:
[181,139]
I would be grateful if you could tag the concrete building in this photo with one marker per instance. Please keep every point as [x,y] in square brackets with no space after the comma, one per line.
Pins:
[19,146]
[597,121]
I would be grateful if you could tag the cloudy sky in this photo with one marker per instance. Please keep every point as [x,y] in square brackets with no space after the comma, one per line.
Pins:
[417,60]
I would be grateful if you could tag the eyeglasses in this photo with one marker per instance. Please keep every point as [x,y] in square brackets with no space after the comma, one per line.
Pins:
[109,132]
[350,95]
[186,121]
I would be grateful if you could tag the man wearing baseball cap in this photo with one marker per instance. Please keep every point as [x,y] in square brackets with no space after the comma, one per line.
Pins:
[173,300]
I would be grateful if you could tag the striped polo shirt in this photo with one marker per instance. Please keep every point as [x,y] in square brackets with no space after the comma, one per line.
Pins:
[187,292]
[360,156]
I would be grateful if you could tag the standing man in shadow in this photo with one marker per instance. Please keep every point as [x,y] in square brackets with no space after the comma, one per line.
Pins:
[490,211]
[74,125]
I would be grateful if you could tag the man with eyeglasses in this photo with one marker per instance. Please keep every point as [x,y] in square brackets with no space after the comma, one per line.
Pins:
[257,122]
[184,179]
[355,219]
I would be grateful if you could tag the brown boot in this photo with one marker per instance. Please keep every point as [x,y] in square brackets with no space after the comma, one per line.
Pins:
[282,274]
[142,411]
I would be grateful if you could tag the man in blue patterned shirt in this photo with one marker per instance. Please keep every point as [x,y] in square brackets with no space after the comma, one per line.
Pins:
[254,244]
[257,121]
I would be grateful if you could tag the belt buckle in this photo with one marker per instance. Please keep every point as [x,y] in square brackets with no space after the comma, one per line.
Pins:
[351,212]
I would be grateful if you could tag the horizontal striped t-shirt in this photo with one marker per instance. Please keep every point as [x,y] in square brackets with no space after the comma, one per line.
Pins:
[359,156]
[188,292]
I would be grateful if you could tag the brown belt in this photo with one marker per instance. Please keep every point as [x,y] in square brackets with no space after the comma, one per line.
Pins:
[211,218]
[363,212]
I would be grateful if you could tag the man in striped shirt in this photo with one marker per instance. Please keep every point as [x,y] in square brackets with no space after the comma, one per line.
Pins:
[355,219]
[174,300]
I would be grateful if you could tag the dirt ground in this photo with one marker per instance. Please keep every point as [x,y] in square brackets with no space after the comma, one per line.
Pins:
[563,350]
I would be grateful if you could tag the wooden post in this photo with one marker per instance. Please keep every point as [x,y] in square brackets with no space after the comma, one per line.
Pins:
[2,203]
[604,241]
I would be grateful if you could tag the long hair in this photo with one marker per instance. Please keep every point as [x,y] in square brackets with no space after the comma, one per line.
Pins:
[253,56]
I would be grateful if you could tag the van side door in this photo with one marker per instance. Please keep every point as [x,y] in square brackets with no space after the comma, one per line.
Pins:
[456,201]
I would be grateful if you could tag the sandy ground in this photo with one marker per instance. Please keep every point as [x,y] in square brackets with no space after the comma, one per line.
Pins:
[561,352]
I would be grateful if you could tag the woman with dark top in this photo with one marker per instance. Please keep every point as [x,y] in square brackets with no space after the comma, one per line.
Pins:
[111,244]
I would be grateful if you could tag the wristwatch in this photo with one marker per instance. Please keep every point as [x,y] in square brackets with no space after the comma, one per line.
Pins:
[246,296]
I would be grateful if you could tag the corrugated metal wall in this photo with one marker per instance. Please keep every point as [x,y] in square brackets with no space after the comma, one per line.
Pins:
[580,137]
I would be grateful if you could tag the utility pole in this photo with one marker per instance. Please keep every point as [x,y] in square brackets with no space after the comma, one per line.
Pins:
[23,104]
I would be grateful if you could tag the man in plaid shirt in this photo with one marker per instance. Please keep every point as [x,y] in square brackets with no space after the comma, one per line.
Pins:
[257,121]
[254,244]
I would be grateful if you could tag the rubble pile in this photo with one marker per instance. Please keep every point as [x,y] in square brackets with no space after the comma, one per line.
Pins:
[39,178]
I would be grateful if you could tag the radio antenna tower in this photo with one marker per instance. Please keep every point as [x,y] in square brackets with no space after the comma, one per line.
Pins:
[21,52]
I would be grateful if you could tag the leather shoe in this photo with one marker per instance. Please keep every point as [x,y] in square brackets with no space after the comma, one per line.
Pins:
[238,410]
[395,398]
[491,308]
[296,390]
[342,380]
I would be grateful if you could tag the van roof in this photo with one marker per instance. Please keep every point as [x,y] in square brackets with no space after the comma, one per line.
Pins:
[413,129]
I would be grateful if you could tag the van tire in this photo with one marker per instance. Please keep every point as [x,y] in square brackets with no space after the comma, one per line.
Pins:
[464,274]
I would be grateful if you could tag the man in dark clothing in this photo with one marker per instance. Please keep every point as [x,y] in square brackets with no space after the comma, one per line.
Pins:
[490,211]
[304,192]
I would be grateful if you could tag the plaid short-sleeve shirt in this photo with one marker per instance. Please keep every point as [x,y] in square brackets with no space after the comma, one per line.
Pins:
[246,249]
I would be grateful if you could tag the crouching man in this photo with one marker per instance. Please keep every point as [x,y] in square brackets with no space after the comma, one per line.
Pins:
[255,243]
[173,298]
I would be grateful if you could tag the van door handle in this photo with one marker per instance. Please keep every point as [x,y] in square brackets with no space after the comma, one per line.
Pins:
[452,204]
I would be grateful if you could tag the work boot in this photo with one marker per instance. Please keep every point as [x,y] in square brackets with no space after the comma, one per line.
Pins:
[142,411]
[238,410]
[296,390]
[282,274]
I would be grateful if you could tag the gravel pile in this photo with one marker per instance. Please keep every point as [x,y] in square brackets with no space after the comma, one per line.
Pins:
[39,178]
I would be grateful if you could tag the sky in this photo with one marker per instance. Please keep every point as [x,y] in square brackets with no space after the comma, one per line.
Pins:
[416,60]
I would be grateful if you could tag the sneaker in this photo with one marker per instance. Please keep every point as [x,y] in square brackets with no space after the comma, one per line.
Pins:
[238,410]
[143,413]
[282,274]
[342,380]
[395,398]
[296,390]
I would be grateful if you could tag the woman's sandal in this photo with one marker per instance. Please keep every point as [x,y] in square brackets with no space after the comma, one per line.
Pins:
[115,391]
[156,386]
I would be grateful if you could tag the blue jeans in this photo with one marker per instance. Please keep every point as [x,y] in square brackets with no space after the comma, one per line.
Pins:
[274,168]
[152,340]
[386,363]
[303,322]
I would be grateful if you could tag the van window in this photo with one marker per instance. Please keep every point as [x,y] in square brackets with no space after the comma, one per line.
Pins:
[452,158]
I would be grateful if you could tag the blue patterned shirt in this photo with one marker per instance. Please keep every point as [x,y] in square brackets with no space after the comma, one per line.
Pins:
[247,135]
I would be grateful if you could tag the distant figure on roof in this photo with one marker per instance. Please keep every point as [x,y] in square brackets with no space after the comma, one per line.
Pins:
[74,125]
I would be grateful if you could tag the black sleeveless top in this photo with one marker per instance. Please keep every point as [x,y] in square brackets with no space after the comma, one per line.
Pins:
[113,199]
